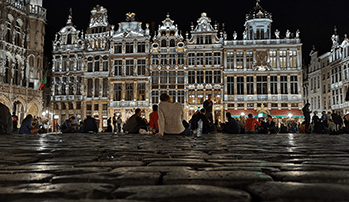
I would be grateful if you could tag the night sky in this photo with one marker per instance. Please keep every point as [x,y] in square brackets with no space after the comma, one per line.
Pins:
[314,18]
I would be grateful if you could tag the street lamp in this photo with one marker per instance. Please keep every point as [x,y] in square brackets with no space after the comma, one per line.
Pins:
[289,115]
[242,114]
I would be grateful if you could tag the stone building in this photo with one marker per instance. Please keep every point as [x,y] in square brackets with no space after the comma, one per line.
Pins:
[106,71]
[167,63]
[263,71]
[22,31]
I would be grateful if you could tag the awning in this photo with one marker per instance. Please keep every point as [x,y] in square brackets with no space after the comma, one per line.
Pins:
[274,113]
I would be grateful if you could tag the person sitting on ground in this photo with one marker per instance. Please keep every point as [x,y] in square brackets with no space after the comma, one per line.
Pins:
[171,116]
[208,127]
[241,123]
[318,125]
[231,126]
[90,125]
[135,123]
[283,128]
[270,125]
[67,126]
[194,121]
[331,126]
[250,125]
[109,127]
[153,120]
[262,129]
[26,126]
[345,129]
[302,128]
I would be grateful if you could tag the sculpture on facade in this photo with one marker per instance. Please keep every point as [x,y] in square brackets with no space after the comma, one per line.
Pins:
[235,35]
[277,34]
[298,33]
[288,34]
[244,35]
[261,61]
[130,17]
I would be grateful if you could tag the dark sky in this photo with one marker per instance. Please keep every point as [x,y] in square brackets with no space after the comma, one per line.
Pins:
[314,18]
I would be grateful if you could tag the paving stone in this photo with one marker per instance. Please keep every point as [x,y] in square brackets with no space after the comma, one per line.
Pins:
[72,200]
[150,160]
[184,163]
[312,176]
[25,178]
[151,169]
[291,191]
[111,164]
[72,159]
[54,191]
[173,193]
[215,178]
[125,179]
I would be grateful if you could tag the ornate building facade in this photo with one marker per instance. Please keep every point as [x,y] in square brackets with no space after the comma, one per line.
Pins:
[329,77]
[107,71]
[262,72]
[22,31]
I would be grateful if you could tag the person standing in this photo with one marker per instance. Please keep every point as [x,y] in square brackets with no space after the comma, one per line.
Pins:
[270,125]
[115,122]
[14,122]
[119,122]
[208,105]
[306,112]
[324,119]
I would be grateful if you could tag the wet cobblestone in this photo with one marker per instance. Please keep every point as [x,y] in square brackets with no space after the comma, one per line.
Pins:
[215,167]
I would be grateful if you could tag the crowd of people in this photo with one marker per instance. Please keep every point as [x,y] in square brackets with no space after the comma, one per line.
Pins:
[167,118]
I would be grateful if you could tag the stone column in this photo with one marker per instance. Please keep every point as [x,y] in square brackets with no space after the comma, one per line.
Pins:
[244,60]
[235,85]
[268,85]
[255,84]
[234,59]
[278,59]
[245,85]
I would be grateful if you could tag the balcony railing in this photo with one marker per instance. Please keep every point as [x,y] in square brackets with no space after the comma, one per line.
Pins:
[262,42]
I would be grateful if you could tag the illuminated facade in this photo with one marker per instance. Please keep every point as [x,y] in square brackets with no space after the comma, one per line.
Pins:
[22,31]
[107,71]
[263,71]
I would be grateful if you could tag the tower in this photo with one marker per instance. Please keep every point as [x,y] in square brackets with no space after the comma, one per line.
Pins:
[258,24]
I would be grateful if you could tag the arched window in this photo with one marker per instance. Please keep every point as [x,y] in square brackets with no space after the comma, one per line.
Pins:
[163,43]
[31,61]
[16,75]
[69,39]
[172,43]
[6,77]
[70,105]
[8,36]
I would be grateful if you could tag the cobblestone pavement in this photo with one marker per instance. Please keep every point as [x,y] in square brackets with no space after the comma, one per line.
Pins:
[215,167]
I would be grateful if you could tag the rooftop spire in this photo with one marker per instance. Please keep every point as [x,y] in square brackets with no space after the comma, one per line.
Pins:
[69,22]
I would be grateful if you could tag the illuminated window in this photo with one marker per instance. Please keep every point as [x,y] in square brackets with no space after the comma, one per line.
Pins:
[249,59]
[239,60]
[283,59]
[293,58]
[250,85]
[230,60]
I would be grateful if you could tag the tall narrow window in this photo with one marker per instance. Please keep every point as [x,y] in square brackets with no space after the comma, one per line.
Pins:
[208,59]
[199,39]
[250,84]
[208,39]
[141,47]
[129,67]
[239,60]
[129,47]
[163,77]
[118,67]
[217,77]
[172,59]
[283,84]
[294,85]
[155,77]
[217,58]
[191,77]
[230,60]
[78,85]
[105,66]
[117,92]
[283,59]
[249,59]
[191,58]
[105,87]
[118,48]
[129,92]
[97,66]
[230,85]
[180,59]
[89,87]
[96,88]
[141,67]
[262,85]
[155,60]
[180,77]
[293,59]
[273,85]
[155,97]
[240,85]
[141,91]
[272,58]
[200,77]
[64,64]
[163,60]
[199,59]
[208,77]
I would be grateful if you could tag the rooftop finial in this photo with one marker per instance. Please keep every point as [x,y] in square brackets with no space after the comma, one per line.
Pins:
[168,15]
[71,11]
[335,30]
[257,2]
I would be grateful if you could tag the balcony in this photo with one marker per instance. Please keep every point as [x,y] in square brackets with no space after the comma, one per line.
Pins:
[261,42]
[129,104]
